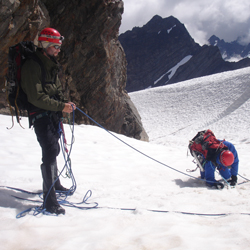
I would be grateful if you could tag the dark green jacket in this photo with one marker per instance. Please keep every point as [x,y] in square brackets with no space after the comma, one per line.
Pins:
[31,81]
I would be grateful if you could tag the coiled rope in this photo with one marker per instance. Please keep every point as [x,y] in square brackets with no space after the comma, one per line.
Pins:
[61,195]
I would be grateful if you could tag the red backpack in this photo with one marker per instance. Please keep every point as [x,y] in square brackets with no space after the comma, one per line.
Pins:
[206,144]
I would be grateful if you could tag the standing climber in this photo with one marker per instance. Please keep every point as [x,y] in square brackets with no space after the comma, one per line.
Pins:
[46,104]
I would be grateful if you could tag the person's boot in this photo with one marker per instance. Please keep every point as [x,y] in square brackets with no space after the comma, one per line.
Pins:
[50,202]
[58,186]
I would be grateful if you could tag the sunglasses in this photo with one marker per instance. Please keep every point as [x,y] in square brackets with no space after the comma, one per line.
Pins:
[57,46]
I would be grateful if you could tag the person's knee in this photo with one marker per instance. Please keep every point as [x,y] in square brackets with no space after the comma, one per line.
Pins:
[225,174]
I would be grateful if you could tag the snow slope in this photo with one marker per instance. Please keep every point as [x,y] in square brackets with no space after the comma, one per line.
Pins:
[162,202]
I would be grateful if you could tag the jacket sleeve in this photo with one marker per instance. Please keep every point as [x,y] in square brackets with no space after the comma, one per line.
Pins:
[31,83]
[235,165]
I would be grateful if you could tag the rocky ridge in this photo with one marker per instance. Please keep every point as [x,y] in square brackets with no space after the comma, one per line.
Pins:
[93,60]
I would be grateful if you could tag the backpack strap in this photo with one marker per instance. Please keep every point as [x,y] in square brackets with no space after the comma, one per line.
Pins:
[39,61]
[43,81]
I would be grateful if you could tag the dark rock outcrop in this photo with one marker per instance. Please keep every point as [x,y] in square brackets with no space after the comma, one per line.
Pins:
[92,58]
[18,21]
[162,52]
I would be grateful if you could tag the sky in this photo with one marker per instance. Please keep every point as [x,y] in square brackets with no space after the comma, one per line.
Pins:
[145,196]
[226,19]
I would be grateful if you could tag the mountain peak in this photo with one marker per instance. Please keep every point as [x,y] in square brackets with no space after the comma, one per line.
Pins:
[158,23]
[232,51]
[163,52]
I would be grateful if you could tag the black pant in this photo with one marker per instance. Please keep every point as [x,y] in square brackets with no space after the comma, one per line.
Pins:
[46,129]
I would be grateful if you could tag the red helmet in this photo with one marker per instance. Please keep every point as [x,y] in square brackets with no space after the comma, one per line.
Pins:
[50,35]
[226,158]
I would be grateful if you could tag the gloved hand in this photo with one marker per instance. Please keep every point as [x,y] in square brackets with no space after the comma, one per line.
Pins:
[218,185]
[233,180]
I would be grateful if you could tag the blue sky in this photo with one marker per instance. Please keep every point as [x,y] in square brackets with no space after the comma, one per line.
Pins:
[225,19]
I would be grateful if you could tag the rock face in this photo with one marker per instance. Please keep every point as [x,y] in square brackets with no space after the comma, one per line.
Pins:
[93,61]
[162,52]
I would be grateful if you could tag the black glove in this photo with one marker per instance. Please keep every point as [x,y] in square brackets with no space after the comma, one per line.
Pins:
[233,180]
[218,185]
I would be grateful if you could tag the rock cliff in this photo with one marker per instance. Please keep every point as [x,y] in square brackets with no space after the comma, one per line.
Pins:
[93,61]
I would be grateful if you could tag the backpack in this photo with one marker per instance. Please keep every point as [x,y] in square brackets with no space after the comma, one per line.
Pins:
[16,97]
[205,147]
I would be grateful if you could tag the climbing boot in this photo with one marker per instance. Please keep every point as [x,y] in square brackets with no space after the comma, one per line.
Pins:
[56,180]
[50,202]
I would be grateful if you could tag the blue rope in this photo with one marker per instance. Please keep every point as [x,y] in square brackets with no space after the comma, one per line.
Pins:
[144,153]
[84,201]
[212,166]
[66,156]
[180,212]
[67,166]
[62,196]
[38,210]
[137,149]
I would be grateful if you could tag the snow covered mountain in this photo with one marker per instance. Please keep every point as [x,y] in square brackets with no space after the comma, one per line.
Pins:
[163,52]
[233,51]
[146,198]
